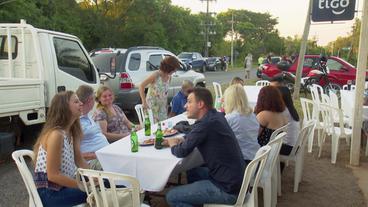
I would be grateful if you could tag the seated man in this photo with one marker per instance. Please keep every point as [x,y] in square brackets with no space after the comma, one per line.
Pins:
[220,181]
[180,99]
[93,139]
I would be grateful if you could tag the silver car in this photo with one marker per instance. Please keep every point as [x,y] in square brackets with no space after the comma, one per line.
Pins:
[133,66]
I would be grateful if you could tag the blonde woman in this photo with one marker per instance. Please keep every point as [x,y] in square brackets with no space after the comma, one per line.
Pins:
[158,88]
[58,155]
[112,120]
[242,120]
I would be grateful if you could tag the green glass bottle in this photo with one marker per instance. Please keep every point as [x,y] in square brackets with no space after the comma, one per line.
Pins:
[147,125]
[134,140]
[159,137]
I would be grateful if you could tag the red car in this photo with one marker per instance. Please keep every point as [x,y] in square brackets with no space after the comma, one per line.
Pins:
[340,71]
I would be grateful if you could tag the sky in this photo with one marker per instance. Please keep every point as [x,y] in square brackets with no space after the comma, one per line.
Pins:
[291,15]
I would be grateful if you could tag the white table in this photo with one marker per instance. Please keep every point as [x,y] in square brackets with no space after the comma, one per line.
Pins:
[348,102]
[252,94]
[150,166]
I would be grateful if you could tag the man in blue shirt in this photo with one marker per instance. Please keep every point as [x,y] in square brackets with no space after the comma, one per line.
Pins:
[220,181]
[93,139]
[180,99]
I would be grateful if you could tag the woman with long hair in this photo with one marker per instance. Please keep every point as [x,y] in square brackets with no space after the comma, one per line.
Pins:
[269,111]
[242,120]
[293,119]
[158,88]
[58,155]
[112,120]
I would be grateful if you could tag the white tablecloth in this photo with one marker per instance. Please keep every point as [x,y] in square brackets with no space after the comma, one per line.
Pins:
[252,94]
[150,166]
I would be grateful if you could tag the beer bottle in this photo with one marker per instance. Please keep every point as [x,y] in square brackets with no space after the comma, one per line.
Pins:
[147,125]
[159,137]
[134,140]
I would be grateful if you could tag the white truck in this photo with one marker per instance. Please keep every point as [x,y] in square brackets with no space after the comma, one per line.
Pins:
[35,64]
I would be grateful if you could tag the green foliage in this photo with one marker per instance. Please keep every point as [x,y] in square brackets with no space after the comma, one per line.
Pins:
[125,23]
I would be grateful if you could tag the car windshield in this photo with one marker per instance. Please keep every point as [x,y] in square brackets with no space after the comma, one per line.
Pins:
[102,61]
[185,55]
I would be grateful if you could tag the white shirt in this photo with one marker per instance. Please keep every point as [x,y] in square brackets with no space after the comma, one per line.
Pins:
[245,129]
[293,129]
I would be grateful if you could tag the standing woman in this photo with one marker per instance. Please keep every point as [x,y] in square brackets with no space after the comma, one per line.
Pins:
[269,111]
[293,119]
[158,88]
[113,122]
[58,155]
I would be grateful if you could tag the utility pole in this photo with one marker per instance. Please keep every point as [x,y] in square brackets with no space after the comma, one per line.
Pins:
[232,40]
[207,24]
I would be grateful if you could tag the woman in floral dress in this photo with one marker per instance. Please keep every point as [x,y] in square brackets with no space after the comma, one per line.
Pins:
[158,88]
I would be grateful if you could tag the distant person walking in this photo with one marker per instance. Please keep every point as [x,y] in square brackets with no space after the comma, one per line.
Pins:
[248,65]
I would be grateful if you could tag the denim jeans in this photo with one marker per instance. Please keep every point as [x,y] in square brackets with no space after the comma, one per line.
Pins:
[200,191]
[62,198]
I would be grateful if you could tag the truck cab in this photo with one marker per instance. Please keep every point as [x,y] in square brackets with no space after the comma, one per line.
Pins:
[35,64]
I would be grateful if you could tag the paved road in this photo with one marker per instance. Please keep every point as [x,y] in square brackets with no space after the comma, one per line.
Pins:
[225,77]
[13,191]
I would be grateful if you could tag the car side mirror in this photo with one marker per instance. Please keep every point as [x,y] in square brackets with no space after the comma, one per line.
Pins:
[194,57]
[344,69]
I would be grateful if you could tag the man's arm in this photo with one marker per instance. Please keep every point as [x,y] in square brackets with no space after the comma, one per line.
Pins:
[192,140]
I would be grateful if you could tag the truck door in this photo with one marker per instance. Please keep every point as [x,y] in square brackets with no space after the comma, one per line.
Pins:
[73,66]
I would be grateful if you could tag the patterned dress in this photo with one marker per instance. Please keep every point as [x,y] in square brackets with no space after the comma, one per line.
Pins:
[115,123]
[67,165]
[157,98]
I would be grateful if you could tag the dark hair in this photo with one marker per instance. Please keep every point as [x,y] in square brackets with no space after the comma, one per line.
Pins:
[286,97]
[169,64]
[269,99]
[203,94]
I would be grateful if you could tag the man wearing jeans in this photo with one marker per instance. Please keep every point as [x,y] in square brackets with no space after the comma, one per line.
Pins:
[220,181]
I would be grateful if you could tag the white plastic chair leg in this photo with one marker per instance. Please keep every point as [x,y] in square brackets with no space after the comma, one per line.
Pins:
[366,148]
[279,193]
[267,193]
[334,148]
[274,181]
[310,142]
[298,174]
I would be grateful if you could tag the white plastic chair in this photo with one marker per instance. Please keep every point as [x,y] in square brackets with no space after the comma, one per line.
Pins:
[308,116]
[250,199]
[278,170]
[113,178]
[336,132]
[140,114]
[346,87]
[297,153]
[269,179]
[263,83]
[316,92]
[218,90]
[335,103]
[34,199]
[18,156]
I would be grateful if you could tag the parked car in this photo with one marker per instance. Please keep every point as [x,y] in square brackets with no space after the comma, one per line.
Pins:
[133,66]
[274,61]
[339,71]
[214,64]
[194,59]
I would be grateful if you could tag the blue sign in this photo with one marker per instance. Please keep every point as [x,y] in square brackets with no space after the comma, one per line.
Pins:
[333,10]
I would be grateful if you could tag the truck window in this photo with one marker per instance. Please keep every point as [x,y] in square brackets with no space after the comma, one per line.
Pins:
[4,47]
[134,61]
[72,60]
[155,60]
